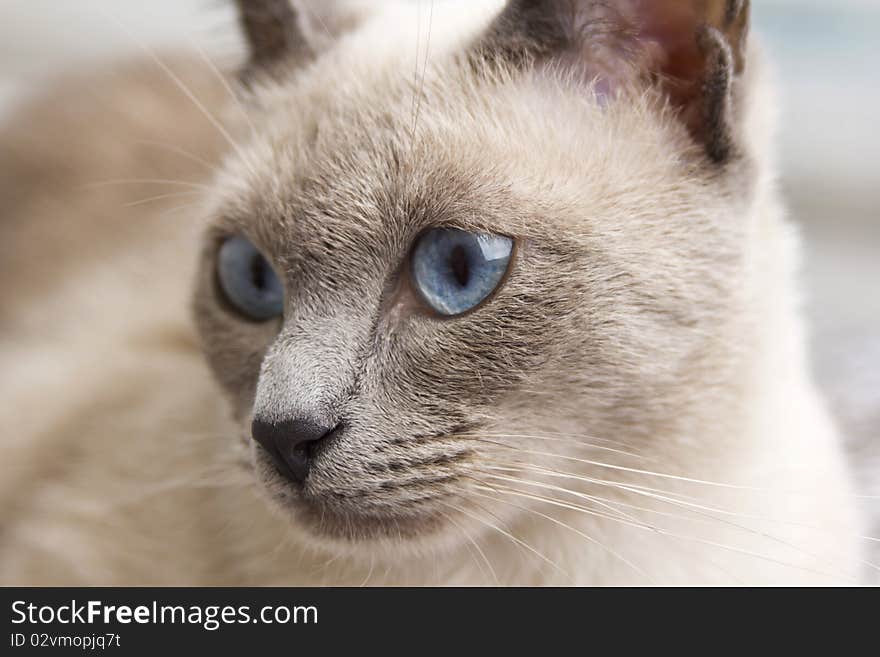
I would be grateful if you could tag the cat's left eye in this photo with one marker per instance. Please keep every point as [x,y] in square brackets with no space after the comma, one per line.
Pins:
[455,271]
[248,281]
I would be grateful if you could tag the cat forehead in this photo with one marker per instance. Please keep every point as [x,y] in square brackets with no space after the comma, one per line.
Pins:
[480,142]
[372,139]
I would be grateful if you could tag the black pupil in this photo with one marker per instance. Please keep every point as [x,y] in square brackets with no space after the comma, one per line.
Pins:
[258,272]
[458,261]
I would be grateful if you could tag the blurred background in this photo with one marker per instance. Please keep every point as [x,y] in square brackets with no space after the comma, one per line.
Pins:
[827,61]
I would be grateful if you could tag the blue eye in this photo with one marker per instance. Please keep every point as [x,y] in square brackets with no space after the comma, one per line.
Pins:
[456,271]
[248,280]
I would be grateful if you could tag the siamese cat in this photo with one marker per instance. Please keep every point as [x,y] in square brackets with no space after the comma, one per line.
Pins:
[496,293]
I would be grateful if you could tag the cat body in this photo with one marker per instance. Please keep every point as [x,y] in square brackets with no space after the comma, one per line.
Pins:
[632,406]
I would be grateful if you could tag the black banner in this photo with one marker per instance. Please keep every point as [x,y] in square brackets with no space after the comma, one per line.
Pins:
[139,621]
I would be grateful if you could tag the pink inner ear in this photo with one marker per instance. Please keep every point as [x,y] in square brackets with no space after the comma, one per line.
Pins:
[668,31]
[689,50]
[647,40]
[622,42]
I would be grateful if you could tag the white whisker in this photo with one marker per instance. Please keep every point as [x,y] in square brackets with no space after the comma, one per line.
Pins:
[178,151]
[649,527]
[421,82]
[586,537]
[146,181]
[701,511]
[505,533]
[648,473]
[560,439]
[160,197]
[226,86]
[369,574]
[182,87]
[476,546]
[675,499]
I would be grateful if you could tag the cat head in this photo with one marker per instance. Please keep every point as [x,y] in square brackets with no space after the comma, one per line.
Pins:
[436,275]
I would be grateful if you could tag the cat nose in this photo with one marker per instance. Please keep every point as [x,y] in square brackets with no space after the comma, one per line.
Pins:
[291,444]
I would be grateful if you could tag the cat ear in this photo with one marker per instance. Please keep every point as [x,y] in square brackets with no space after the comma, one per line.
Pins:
[273,32]
[693,51]
[289,32]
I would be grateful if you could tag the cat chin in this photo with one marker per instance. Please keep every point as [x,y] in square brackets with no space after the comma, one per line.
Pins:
[352,526]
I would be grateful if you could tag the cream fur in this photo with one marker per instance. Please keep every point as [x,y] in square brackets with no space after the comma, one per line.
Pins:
[121,462]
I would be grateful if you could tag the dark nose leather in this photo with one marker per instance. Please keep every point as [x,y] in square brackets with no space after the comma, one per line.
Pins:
[290,444]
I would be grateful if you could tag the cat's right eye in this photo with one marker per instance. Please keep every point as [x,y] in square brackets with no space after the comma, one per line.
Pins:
[455,270]
[248,281]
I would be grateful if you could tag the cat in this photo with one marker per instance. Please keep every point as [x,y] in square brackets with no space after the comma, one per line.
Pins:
[496,293]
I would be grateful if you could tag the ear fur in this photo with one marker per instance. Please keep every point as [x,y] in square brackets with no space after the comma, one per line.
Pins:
[273,32]
[692,50]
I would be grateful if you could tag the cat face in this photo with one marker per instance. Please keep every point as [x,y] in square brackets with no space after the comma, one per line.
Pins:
[417,294]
